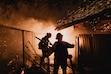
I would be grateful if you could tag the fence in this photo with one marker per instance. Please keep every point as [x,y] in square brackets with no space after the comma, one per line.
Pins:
[16,49]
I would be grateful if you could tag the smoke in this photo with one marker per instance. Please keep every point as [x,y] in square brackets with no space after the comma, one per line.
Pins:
[12,18]
[14,12]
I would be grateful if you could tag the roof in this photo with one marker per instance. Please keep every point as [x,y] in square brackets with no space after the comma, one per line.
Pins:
[94,9]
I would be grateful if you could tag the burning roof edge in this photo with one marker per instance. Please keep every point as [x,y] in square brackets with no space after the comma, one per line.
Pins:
[99,14]
[95,8]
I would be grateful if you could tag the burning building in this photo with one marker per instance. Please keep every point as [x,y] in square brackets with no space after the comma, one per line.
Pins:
[85,23]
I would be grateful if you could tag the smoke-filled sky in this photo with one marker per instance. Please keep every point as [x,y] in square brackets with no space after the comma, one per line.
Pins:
[26,14]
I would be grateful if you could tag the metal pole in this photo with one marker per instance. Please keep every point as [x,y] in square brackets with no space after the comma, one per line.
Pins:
[23,46]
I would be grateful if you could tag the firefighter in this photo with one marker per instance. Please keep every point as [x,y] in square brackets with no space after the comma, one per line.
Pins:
[60,53]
